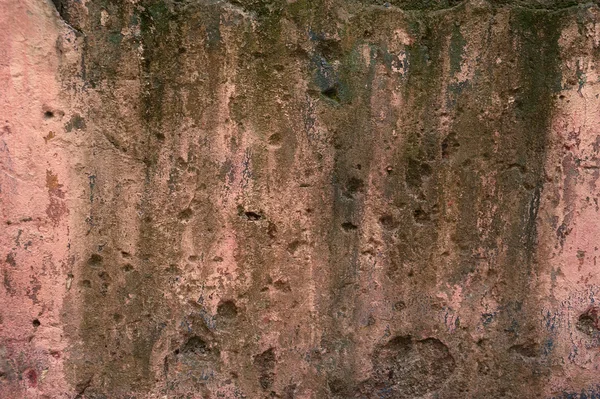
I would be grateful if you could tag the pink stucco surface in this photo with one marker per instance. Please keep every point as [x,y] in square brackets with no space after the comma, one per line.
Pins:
[35,196]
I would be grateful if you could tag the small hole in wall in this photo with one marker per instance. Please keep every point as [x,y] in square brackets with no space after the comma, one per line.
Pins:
[227,309]
[353,186]
[275,139]
[388,222]
[48,115]
[253,215]
[272,230]
[32,377]
[588,322]
[195,346]
[282,285]
[249,215]
[36,323]
[331,93]
[349,226]
[95,260]
[185,215]
[421,216]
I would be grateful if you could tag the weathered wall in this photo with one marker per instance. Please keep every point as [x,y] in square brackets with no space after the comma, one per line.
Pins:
[299,199]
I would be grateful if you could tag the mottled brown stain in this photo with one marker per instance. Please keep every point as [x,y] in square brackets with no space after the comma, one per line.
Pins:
[244,105]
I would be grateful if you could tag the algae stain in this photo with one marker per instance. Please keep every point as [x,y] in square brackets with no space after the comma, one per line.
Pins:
[457,45]
[115,38]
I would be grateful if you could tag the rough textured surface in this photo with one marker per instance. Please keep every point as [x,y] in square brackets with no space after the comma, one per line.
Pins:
[299,199]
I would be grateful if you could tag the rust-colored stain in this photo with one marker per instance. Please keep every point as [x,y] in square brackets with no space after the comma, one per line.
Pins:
[49,136]
[56,207]
[54,187]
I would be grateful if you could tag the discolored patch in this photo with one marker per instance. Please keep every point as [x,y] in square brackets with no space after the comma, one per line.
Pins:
[409,368]
[56,208]
[265,366]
